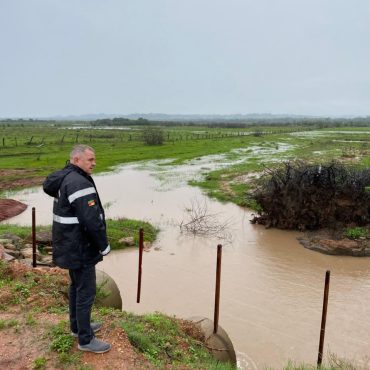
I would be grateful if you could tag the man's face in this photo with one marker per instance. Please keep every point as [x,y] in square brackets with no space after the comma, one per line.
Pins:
[86,161]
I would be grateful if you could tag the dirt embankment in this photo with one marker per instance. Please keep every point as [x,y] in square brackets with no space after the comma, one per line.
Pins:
[35,333]
[13,179]
[334,242]
[10,208]
[19,178]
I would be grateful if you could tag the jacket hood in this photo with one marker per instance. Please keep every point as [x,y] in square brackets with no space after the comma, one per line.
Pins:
[52,183]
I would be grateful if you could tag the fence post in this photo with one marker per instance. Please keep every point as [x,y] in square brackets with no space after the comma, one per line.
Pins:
[33,237]
[141,247]
[323,318]
[217,293]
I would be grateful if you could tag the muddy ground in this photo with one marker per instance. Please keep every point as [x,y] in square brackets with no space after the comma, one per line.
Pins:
[18,178]
[334,242]
[14,179]
[10,208]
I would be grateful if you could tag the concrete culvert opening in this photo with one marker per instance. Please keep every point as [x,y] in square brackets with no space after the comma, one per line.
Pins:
[219,344]
[108,294]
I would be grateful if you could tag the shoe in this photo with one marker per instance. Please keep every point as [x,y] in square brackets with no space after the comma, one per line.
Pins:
[95,327]
[95,346]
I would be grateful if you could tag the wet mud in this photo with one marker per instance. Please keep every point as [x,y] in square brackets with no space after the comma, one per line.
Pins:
[10,208]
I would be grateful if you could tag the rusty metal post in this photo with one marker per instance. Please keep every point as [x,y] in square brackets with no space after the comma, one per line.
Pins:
[218,283]
[33,237]
[141,248]
[323,318]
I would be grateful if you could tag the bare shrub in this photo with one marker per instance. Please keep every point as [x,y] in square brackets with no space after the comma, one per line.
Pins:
[302,196]
[200,221]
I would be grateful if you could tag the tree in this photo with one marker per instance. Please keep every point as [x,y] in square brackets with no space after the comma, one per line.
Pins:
[153,136]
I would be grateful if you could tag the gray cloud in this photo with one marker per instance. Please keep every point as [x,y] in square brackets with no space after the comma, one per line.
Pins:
[194,56]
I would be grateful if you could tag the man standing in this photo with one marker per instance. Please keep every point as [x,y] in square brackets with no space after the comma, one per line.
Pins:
[79,240]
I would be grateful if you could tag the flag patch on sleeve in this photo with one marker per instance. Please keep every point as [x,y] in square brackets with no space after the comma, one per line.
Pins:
[91,203]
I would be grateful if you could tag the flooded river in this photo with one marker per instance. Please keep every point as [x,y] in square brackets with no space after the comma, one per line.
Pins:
[271,288]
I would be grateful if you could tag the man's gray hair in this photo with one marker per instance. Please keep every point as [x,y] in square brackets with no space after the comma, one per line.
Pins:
[79,149]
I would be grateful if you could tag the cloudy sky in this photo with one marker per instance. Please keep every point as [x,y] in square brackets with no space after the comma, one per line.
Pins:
[72,57]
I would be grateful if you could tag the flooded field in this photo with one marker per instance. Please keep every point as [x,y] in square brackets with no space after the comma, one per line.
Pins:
[330,133]
[271,289]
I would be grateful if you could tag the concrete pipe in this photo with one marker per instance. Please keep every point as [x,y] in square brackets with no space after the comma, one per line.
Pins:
[218,343]
[108,286]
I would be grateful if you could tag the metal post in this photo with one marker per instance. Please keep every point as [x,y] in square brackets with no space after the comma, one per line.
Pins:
[141,248]
[323,318]
[33,237]
[218,283]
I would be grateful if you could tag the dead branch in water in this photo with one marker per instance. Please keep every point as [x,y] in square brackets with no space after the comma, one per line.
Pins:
[200,221]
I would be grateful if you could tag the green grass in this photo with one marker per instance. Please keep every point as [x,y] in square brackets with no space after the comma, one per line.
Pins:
[356,232]
[61,338]
[48,152]
[120,228]
[50,147]
[160,337]
[47,287]
[5,324]
[21,231]
[39,363]
[30,320]
[116,229]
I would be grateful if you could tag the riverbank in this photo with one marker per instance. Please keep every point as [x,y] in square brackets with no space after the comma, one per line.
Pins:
[35,333]
[353,241]
[10,208]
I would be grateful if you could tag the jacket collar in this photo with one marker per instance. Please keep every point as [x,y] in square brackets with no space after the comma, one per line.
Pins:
[77,169]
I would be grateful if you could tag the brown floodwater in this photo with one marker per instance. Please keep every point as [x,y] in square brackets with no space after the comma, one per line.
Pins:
[271,288]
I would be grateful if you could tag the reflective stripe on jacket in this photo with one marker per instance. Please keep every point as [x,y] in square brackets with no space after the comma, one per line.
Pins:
[79,229]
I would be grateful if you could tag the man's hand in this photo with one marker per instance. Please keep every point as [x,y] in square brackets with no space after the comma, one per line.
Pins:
[105,251]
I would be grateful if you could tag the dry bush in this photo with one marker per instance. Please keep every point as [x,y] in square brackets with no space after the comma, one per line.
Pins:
[301,196]
[199,221]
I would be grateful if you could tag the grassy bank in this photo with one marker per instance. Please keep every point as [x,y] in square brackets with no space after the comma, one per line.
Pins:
[33,315]
[117,229]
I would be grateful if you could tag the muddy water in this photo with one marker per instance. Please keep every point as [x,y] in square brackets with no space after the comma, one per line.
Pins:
[271,290]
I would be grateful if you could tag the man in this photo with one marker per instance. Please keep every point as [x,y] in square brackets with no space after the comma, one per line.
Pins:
[79,240]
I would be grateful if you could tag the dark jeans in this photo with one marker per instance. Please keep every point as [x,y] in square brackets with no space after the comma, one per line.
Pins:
[81,298]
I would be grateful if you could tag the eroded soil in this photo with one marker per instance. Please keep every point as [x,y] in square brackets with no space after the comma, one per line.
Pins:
[10,208]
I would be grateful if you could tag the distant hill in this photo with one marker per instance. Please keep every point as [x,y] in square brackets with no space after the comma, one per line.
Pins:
[181,117]
[255,118]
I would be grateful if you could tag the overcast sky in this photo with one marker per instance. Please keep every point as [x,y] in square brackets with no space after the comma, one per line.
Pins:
[72,57]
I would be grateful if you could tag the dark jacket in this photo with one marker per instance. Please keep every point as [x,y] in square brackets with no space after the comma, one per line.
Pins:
[79,229]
